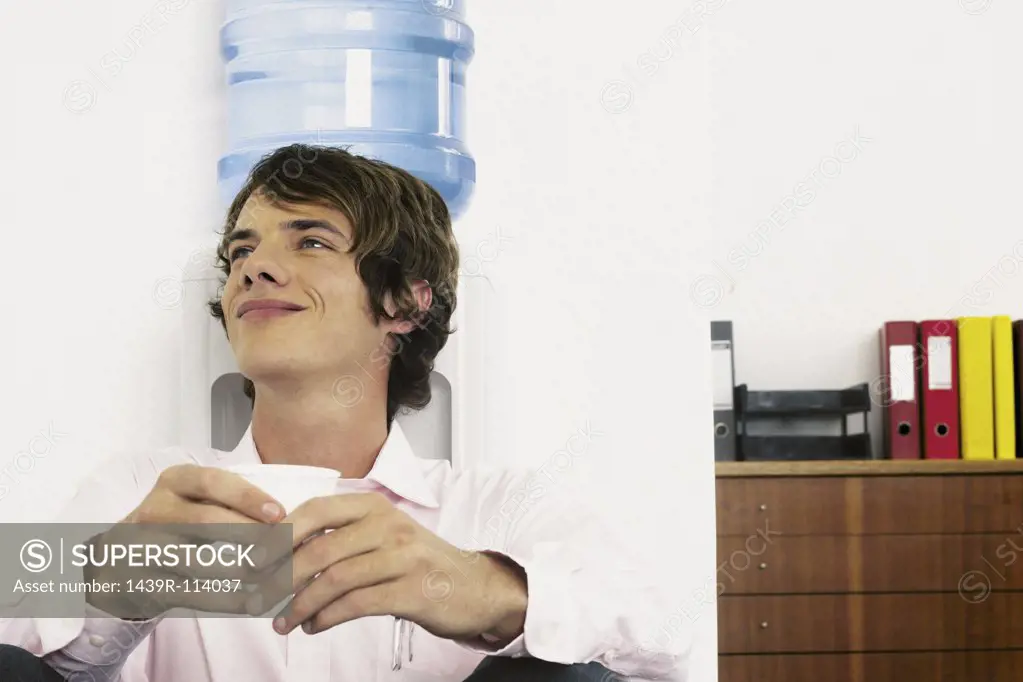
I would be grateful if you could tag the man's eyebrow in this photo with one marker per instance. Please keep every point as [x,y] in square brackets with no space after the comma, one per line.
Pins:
[298,224]
[313,224]
[240,235]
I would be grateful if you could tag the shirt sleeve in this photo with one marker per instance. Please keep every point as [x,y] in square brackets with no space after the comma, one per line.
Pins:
[96,643]
[95,646]
[589,596]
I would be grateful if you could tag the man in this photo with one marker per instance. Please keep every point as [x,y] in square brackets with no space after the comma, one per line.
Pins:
[341,272]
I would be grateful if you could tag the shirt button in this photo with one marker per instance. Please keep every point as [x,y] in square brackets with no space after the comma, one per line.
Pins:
[96,640]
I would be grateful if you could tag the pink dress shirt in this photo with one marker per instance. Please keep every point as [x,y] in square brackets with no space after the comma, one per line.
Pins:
[587,602]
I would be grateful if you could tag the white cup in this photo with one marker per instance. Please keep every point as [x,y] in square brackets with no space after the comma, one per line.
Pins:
[289,484]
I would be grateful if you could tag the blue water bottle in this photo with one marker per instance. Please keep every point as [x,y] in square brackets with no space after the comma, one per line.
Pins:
[384,78]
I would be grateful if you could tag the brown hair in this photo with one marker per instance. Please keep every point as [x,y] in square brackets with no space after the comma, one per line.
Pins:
[402,232]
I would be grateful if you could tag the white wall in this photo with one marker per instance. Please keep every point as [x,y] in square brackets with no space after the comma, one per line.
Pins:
[594,173]
[922,223]
[109,180]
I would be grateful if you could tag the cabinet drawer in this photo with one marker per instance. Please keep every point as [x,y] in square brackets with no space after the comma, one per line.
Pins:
[970,564]
[868,622]
[790,505]
[940,666]
[870,505]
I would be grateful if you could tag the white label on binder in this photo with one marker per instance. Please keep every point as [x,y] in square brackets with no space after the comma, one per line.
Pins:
[939,363]
[724,385]
[901,373]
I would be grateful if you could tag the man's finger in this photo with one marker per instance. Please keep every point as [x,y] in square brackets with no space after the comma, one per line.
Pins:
[275,584]
[383,599]
[323,551]
[223,488]
[179,521]
[214,522]
[363,571]
[332,512]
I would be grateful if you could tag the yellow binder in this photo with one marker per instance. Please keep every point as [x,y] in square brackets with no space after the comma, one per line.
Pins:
[976,388]
[1004,387]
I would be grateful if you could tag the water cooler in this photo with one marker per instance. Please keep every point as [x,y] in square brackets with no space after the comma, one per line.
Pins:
[383,78]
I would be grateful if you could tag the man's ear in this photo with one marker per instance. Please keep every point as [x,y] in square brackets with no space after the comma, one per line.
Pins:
[423,294]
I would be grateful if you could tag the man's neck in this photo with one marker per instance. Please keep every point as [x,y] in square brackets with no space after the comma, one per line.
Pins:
[320,427]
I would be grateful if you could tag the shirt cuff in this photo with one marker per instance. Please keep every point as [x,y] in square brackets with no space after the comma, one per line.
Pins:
[105,642]
[548,633]
[514,649]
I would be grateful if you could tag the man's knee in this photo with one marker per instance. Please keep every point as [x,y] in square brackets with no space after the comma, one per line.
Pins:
[504,669]
[12,655]
[18,665]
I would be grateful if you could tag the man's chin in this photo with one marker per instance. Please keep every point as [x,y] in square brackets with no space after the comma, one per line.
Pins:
[273,368]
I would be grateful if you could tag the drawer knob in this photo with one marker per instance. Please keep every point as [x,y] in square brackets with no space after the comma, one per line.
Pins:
[763,625]
[763,566]
[763,507]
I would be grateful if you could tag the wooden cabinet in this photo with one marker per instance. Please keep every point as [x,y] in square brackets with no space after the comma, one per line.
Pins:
[877,571]
[931,666]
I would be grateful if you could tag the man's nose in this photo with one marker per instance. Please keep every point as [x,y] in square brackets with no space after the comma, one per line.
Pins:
[260,274]
[262,266]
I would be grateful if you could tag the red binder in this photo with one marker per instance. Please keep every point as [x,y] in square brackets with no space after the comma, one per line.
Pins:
[939,389]
[899,391]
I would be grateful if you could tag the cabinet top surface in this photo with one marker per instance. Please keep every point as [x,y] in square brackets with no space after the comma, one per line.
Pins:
[874,467]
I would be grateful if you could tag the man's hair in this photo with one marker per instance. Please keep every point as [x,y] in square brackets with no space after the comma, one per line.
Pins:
[401,233]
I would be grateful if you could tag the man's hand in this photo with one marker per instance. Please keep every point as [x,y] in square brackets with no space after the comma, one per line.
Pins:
[180,509]
[187,493]
[375,560]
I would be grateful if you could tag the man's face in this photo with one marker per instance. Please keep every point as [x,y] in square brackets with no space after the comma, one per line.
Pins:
[296,257]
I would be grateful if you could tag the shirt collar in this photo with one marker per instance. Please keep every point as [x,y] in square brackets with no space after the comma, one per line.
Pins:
[396,467]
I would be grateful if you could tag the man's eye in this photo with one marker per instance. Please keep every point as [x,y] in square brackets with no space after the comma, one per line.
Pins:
[237,252]
[313,240]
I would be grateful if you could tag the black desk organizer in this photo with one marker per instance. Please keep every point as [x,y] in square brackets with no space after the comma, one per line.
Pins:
[784,405]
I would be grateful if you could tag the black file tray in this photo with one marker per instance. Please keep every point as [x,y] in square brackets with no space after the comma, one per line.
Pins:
[800,448]
[836,405]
